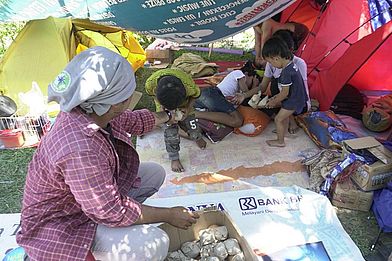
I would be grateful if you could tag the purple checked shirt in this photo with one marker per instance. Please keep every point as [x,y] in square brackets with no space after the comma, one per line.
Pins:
[77,179]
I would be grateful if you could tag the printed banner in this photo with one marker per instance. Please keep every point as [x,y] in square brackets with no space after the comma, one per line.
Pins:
[265,217]
[183,21]
[9,226]
[273,219]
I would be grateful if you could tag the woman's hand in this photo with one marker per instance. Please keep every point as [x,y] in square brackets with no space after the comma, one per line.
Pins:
[181,217]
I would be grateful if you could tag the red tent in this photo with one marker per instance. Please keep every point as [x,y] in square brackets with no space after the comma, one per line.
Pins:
[367,65]
[334,51]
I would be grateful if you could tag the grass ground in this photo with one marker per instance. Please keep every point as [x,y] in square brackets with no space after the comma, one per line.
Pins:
[361,226]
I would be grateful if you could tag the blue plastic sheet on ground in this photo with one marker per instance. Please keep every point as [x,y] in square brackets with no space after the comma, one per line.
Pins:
[382,207]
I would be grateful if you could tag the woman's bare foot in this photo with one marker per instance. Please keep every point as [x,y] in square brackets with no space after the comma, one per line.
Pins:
[275,143]
[176,166]
[201,143]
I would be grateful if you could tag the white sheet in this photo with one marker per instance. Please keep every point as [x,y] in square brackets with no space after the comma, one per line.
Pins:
[269,226]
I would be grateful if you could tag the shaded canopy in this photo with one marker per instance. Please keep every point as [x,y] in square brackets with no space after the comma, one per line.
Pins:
[194,21]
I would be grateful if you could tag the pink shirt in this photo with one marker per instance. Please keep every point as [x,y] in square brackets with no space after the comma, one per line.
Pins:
[76,179]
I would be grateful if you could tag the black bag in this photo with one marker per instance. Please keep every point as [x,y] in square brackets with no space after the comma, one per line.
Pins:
[349,101]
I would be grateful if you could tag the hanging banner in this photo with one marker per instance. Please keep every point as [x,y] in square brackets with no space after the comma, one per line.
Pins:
[183,21]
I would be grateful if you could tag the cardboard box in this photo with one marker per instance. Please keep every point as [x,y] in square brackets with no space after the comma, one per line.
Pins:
[372,177]
[372,145]
[207,218]
[377,175]
[347,195]
[163,56]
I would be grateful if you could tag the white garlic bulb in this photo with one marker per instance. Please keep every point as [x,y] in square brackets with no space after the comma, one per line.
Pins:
[232,246]
[190,249]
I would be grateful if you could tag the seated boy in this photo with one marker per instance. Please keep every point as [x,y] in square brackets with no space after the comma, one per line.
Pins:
[174,89]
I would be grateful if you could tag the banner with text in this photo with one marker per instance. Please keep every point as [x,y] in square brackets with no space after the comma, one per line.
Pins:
[183,21]
[264,216]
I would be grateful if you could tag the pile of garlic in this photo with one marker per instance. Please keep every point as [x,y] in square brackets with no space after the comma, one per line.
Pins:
[213,245]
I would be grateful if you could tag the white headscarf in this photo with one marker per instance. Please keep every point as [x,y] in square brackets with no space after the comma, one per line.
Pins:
[95,79]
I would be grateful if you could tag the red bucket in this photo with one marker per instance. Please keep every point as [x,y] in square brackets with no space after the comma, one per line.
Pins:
[12,138]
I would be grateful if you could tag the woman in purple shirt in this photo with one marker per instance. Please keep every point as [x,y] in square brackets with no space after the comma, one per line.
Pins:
[85,186]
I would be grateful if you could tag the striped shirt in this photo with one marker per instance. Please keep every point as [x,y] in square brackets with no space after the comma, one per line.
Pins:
[79,178]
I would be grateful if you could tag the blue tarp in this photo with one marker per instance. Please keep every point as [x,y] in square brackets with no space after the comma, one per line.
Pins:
[382,207]
[381,11]
[196,21]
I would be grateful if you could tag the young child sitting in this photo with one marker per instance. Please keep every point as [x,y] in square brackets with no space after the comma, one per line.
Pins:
[241,80]
[175,91]
[218,101]
[292,97]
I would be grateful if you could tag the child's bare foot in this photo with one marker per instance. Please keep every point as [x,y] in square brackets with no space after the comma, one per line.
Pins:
[201,143]
[293,130]
[275,143]
[293,127]
[275,131]
[176,166]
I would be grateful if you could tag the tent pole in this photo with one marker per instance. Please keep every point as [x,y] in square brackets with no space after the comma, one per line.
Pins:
[210,50]
[373,246]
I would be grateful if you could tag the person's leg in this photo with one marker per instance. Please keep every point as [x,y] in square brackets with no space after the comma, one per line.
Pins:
[152,175]
[137,242]
[172,142]
[274,90]
[274,86]
[191,126]
[219,109]
[282,123]
[233,119]
[293,127]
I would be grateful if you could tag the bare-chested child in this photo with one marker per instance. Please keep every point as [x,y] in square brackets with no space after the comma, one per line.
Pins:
[266,29]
